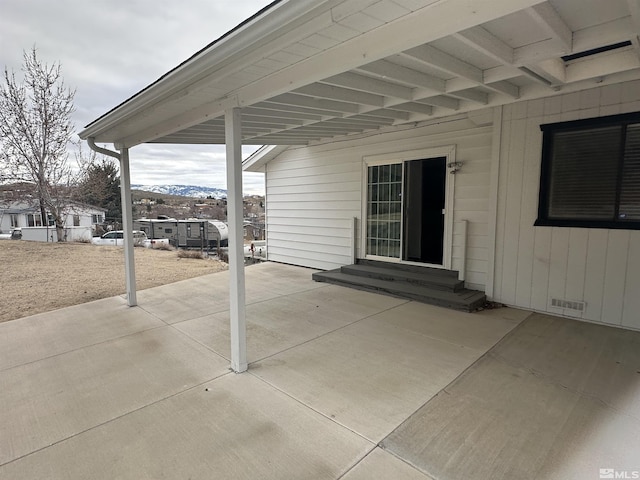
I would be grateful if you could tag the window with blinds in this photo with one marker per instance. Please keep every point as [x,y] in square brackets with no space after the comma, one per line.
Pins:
[591,173]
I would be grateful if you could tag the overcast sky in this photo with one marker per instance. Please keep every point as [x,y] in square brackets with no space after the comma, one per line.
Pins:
[109,50]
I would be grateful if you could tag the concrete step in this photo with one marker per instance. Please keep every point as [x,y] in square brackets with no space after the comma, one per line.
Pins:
[431,277]
[406,267]
[465,300]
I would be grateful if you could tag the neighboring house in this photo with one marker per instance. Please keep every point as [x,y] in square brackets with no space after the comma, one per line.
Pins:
[498,138]
[80,220]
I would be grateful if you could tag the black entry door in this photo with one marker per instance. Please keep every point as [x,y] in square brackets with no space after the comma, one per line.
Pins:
[423,205]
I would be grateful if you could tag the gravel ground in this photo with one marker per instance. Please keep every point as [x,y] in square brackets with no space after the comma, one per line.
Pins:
[37,277]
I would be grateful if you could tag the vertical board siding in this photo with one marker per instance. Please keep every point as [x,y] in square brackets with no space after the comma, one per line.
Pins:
[535,264]
[631,310]
[313,194]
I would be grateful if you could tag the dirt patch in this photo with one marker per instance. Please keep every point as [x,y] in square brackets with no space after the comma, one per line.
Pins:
[37,277]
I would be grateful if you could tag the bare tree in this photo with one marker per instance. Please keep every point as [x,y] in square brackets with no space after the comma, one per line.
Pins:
[35,131]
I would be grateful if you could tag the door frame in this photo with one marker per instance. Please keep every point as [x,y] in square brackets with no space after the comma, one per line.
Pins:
[449,153]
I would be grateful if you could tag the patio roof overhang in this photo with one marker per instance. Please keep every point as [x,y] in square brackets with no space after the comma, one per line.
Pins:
[303,71]
[307,70]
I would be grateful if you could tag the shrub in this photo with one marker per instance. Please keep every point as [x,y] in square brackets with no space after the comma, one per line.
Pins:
[163,246]
[191,254]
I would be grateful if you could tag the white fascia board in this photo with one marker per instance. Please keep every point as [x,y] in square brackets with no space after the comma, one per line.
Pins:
[234,42]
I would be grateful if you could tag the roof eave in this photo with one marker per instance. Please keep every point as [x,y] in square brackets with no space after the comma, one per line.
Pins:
[250,32]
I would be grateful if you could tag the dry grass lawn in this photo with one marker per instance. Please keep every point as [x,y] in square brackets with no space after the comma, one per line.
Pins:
[37,277]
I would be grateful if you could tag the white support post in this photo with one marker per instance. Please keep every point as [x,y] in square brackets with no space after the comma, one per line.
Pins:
[127,227]
[233,138]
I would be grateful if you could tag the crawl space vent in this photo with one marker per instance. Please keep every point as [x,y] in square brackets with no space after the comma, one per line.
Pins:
[571,305]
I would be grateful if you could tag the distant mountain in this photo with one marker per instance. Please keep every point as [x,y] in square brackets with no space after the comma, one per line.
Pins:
[183,190]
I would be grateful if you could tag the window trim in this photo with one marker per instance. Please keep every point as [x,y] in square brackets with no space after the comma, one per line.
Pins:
[545,172]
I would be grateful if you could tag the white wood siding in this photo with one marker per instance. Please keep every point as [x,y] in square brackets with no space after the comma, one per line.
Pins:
[535,264]
[313,194]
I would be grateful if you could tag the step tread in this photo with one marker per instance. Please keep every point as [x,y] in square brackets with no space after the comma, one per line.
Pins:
[407,267]
[426,277]
[464,299]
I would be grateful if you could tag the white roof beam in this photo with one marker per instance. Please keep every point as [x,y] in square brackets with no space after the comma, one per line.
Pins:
[326,128]
[605,34]
[445,62]
[414,107]
[381,42]
[472,95]
[505,88]
[257,119]
[635,41]
[491,46]
[603,65]
[441,101]
[371,85]
[436,58]
[282,107]
[500,73]
[546,16]
[272,113]
[359,120]
[481,40]
[315,103]
[634,10]
[386,113]
[365,118]
[552,70]
[459,84]
[538,52]
[320,90]
[398,73]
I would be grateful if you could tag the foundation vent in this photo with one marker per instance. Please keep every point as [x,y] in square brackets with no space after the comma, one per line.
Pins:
[570,304]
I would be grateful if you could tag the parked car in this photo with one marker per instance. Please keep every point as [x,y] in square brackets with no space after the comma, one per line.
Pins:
[116,238]
[14,234]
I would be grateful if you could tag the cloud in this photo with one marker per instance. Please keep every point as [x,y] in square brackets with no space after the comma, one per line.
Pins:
[111,50]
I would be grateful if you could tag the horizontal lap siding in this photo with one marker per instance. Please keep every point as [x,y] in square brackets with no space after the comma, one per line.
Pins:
[313,194]
[312,199]
[536,264]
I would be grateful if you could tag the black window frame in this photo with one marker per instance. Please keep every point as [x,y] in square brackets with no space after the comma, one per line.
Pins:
[548,131]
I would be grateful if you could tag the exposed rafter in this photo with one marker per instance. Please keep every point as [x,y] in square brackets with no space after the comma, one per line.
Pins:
[548,18]
[387,70]
[339,69]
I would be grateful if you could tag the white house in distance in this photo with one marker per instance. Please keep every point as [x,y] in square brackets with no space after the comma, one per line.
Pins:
[79,223]
[497,138]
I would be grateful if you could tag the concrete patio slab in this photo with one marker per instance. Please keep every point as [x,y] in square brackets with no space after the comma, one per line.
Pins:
[47,334]
[371,375]
[279,279]
[380,464]
[108,391]
[357,303]
[187,299]
[479,331]
[594,360]
[535,407]
[47,401]
[208,294]
[234,427]
[272,326]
